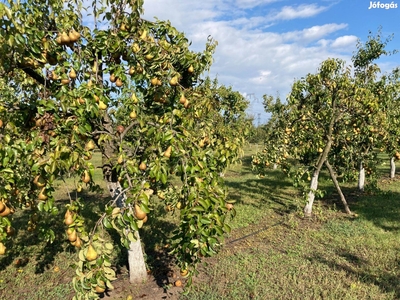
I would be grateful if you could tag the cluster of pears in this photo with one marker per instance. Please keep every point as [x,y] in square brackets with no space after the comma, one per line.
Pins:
[40,183]
[118,82]
[71,231]
[66,39]
[183,100]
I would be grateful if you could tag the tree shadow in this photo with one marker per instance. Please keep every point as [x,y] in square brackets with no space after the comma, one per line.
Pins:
[355,265]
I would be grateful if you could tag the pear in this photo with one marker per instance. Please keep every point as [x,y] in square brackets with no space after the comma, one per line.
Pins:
[100,289]
[39,181]
[74,36]
[182,99]
[77,243]
[54,76]
[2,249]
[113,78]
[72,74]
[73,236]
[68,219]
[2,207]
[102,105]
[142,166]
[149,56]
[190,69]
[139,213]
[120,159]
[89,145]
[70,231]
[42,195]
[174,81]
[118,82]
[134,98]
[154,81]
[65,38]
[86,176]
[131,71]
[91,254]
[136,47]
[5,212]
[133,114]
[167,152]
[186,104]
[58,39]
[65,81]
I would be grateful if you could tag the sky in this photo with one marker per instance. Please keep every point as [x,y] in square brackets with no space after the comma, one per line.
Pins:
[265,45]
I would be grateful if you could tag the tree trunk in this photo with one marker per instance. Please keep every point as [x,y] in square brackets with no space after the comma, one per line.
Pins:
[392,168]
[339,190]
[311,194]
[361,177]
[275,167]
[137,265]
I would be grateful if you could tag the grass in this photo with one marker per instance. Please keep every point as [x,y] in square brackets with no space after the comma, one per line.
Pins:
[272,252]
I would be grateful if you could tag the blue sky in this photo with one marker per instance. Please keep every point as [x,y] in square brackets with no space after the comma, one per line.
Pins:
[264,45]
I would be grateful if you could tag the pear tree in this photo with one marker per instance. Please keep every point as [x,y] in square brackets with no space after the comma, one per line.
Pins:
[335,118]
[77,77]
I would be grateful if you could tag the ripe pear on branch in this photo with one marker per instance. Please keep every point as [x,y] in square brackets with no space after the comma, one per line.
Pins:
[167,152]
[91,253]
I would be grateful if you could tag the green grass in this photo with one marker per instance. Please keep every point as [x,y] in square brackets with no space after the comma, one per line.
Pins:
[272,252]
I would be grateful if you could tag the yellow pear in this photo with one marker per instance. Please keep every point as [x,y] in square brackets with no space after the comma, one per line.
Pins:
[133,114]
[2,249]
[120,159]
[2,207]
[39,181]
[174,81]
[131,70]
[134,98]
[139,213]
[142,166]
[89,145]
[113,78]
[77,243]
[72,74]
[182,100]
[86,176]
[42,195]
[102,105]
[65,81]
[100,289]
[65,38]
[118,82]
[6,211]
[167,152]
[186,104]
[91,254]
[154,81]
[73,236]
[191,69]
[68,220]
[136,47]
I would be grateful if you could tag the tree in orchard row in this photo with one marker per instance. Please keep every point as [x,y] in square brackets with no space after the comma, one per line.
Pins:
[132,89]
[332,118]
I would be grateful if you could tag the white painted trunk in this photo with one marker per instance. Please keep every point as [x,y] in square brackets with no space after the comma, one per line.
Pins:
[392,168]
[275,166]
[311,195]
[361,177]
[137,265]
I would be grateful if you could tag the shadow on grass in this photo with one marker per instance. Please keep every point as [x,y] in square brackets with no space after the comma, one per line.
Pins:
[357,266]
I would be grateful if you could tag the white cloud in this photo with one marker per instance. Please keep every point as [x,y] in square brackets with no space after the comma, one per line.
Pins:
[345,41]
[301,11]
[251,56]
